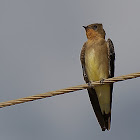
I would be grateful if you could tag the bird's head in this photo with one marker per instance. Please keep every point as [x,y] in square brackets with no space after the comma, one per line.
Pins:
[94,31]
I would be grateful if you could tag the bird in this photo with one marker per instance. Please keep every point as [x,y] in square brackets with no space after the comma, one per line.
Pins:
[98,63]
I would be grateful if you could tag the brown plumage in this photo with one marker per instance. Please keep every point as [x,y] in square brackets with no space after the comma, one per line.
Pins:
[97,59]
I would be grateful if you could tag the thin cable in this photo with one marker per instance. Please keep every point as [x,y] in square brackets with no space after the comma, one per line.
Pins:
[67,90]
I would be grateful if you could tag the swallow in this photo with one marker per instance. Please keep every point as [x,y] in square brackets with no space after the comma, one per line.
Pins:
[97,60]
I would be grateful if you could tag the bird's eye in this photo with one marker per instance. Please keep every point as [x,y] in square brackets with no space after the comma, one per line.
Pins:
[95,27]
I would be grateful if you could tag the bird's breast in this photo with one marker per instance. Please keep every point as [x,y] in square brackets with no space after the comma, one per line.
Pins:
[96,62]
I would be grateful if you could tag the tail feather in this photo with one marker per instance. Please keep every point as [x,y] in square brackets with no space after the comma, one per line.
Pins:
[103,119]
[107,119]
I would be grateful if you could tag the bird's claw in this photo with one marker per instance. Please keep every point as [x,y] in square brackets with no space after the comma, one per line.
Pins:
[102,81]
[90,84]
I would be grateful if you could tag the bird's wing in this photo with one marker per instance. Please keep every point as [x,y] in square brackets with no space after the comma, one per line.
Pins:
[82,58]
[111,57]
[111,54]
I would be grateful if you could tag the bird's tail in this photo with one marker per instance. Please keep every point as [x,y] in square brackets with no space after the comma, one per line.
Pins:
[107,119]
[103,119]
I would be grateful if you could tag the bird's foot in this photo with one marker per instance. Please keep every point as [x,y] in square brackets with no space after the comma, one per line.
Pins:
[102,81]
[90,84]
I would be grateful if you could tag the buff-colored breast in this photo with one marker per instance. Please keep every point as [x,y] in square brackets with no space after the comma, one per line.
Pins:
[97,68]
[96,61]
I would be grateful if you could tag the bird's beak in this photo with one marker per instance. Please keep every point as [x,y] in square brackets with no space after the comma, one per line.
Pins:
[84,27]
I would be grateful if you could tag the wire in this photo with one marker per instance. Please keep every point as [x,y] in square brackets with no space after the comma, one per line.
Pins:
[67,90]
